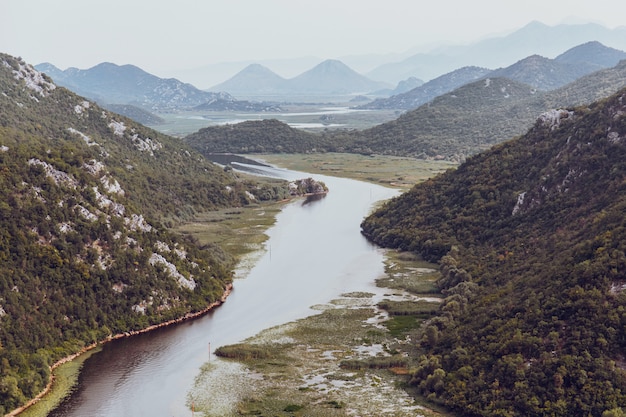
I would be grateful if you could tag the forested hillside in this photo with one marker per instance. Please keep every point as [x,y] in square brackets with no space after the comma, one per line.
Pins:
[84,254]
[262,136]
[531,240]
[454,125]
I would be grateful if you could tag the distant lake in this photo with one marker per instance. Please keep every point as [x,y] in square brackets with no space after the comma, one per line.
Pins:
[313,117]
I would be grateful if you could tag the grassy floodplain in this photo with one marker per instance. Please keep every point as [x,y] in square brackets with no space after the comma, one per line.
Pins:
[390,171]
[353,358]
[65,378]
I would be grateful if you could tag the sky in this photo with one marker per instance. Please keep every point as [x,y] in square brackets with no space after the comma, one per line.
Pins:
[163,36]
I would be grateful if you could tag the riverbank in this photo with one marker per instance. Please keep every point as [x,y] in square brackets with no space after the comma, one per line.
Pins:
[240,231]
[55,392]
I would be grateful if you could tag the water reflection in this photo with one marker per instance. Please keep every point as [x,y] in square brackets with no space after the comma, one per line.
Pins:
[312,198]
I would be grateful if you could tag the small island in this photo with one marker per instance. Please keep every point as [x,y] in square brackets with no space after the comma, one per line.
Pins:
[307,187]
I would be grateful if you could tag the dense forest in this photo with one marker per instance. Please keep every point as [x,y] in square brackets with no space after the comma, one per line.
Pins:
[531,240]
[85,198]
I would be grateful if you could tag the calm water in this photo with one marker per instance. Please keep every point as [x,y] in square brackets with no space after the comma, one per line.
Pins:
[315,252]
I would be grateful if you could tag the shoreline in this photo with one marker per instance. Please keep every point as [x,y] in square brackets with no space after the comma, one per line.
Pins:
[69,358]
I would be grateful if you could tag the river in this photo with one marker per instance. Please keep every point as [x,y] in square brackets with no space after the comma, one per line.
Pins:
[314,253]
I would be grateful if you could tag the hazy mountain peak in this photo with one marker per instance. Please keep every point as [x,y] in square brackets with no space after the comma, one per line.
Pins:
[258,69]
[594,53]
[501,51]
[328,77]
[254,77]
[329,66]
[428,91]
[110,83]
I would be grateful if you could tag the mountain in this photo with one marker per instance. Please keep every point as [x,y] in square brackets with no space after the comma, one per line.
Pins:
[533,39]
[255,78]
[109,83]
[252,137]
[593,55]
[330,77]
[424,93]
[206,76]
[477,115]
[453,125]
[85,195]
[425,66]
[407,85]
[591,87]
[537,71]
[531,241]
[542,73]
[402,87]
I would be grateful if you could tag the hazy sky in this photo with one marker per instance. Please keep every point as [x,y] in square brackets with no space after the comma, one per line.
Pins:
[160,36]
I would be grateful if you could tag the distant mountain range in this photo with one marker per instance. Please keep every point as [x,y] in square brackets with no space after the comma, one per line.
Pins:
[537,71]
[424,93]
[427,63]
[478,115]
[452,126]
[330,77]
[533,39]
[110,84]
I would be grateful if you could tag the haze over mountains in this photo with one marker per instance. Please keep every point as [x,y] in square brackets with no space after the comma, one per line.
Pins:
[523,55]
[111,84]
[537,71]
[351,74]
[128,85]
[330,77]
[534,38]
[429,63]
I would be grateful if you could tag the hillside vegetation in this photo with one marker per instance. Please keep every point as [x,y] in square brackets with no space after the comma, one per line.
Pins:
[84,253]
[531,240]
[452,127]
[262,136]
